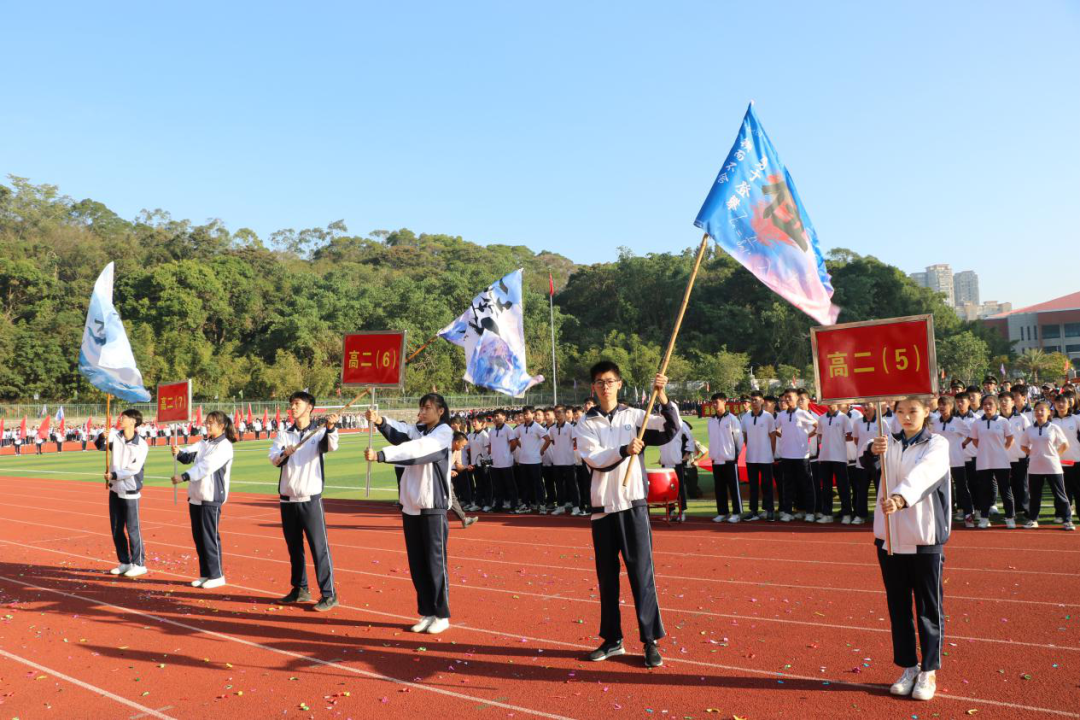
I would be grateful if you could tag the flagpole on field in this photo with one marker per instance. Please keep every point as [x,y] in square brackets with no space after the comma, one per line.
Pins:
[108,427]
[671,345]
[554,372]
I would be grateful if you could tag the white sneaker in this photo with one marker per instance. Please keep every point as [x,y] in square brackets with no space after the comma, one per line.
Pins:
[969,521]
[825,519]
[763,514]
[423,625]
[1068,526]
[858,521]
[199,582]
[925,686]
[213,583]
[734,518]
[576,512]
[753,518]
[959,515]
[1059,519]
[819,516]
[785,517]
[994,509]
[437,625]
[136,571]
[1031,525]
[906,683]
[681,517]
[1010,523]
[846,520]
[978,515]
[719,518]
[798,516]
[984,523]
[486,508]
[120,569]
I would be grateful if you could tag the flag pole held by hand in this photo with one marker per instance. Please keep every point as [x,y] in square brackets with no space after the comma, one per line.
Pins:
[671,345]
[370,439]
[884,480]
[108,429]
[312,432]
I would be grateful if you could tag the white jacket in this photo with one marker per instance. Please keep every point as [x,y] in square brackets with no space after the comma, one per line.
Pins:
[425,455]
[919,473]
[208,480]
[302,475]
[126,461]
[725,438]
[602,440]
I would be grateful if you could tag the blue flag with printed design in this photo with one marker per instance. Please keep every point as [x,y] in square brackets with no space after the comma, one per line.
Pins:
[105,357]
[754,213]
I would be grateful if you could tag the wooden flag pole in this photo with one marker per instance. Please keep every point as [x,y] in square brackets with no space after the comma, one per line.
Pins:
[671,343]
[370,440]
[108,429]
[174,467]
[347,406]
[421,349]
[884,480]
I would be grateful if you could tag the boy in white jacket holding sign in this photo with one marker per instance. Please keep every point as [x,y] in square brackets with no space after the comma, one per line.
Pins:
[208,489]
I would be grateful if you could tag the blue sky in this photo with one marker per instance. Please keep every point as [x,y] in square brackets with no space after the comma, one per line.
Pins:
[918,132]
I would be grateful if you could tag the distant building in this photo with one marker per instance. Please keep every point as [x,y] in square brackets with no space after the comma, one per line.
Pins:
[1052,326]
[919,278]
[974,311]
[966,288]
[939,279]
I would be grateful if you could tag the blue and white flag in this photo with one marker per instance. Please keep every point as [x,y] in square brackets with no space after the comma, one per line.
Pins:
[59,415]
[106,358]
[492,331]
[754,213]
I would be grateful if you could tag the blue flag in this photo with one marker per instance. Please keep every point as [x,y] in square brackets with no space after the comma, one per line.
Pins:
[754,213]
[106,358]
[492,331]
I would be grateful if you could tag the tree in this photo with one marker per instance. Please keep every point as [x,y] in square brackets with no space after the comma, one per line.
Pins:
[963,356]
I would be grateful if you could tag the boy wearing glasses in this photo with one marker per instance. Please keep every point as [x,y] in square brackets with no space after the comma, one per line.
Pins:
[608,443]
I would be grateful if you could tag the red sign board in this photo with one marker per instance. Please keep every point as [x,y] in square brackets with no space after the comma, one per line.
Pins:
[174,402]
[875,360]
[374,359]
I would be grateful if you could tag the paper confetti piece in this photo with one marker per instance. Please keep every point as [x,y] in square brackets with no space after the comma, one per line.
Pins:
[972,711]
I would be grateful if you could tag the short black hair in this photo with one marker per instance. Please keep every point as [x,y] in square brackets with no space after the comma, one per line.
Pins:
[602,367]
[500,411]
[460,436]
[303,395]
[719,396]
[771,398]
[963,396]
[756,393]
[528,408]
[134,415]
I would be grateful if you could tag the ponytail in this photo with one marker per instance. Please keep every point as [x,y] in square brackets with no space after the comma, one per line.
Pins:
[229,430]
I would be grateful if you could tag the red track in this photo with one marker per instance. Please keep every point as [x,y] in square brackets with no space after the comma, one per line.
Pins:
[764,621]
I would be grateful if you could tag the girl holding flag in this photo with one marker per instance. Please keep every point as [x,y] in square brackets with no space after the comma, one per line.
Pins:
[208,489]
[125,479]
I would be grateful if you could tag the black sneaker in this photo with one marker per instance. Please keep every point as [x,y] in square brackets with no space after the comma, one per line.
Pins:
[770,516]
[608,649]
[652,656]
[297,595]
[326,602]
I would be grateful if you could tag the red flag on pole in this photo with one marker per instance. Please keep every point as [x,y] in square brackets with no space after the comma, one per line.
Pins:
[236,418]
[290,420]
[43,429]
[1,427]
[277,417]
[266,418]
[118,422]
[249,420]
[22,428]
[198,417]
[551,285]
[88,421]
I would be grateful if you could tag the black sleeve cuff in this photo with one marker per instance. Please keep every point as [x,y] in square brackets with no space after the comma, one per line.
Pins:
[113,475]
[381,456]
[624,451]
[185,477]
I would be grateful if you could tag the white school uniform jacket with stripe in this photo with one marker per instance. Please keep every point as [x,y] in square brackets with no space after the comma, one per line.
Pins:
[208,480]
[918,471]
[833,431]
[725,438]
[602,439]
[757,435]
[302,475]
[956,430]
[425,455]
[126,461]
[672,452]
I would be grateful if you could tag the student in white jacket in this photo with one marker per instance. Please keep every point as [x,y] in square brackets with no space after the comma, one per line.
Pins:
[424,450]
[125,479]
[917,508]
[208,489]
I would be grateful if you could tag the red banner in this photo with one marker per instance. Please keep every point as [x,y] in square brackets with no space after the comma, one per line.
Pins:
[374,359]
[875,360]
[174,402]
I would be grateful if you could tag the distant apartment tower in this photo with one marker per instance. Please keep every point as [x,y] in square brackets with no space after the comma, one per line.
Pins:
[939,278]
[919,278]
[966,288]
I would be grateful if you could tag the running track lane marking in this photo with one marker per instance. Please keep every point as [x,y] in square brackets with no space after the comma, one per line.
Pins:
[146,712]
[542,596]
[313,660]
[715,557]
[733,538]
[876,689]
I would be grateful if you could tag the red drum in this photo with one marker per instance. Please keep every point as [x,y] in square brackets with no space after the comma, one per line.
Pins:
[663,486]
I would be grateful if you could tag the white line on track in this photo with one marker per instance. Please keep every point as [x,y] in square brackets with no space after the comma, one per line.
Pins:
[590,601]
[698,663]
[587,570]
[147,712]
[287,653]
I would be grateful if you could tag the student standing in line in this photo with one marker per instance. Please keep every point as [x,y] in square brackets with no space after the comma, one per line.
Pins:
[208,489]
[562,437]
[457,468]
[1069,422]
[532,440]
[992,436]
[956,430]
[868,467]
[479,460]
[919,506]
[553,493]
[834,429]
[674,455]
[1018,461]
[795,428]
[1044,443]
[581,471]
[609,444]
[757,431]
[125,478]
[854,416]
[424,449]
[300,488]
[502,465]
[725,443]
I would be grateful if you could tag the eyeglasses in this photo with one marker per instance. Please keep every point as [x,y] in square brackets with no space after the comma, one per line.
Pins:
[606,383]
